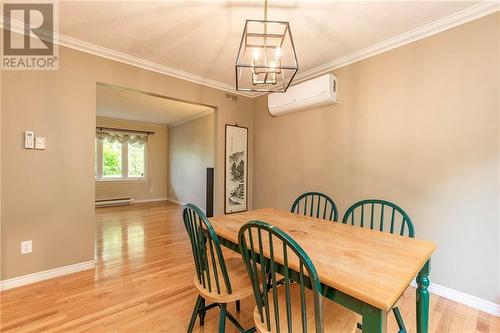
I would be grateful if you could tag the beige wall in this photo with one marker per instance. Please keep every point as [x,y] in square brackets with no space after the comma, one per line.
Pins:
[1,226]
[155,185]
[191,151]
[418,125]
[48,196]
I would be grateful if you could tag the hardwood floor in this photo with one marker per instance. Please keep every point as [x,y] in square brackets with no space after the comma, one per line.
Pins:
[144,283]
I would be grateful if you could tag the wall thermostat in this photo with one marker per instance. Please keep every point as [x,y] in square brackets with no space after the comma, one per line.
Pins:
[29,140]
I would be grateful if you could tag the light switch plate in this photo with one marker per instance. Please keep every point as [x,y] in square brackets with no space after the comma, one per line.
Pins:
[39,142]
[26,247]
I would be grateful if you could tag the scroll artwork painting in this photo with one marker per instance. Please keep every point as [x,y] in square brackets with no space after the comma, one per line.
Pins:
[236,169]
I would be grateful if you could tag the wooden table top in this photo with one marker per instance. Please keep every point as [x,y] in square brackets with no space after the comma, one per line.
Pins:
[372,266]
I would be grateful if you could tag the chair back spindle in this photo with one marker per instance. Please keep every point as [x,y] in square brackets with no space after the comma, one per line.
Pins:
[380,215]
[315,204]
[209,262]
[256,238]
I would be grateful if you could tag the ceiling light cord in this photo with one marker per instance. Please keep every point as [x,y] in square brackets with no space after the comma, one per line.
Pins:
[265,32]
[265,10]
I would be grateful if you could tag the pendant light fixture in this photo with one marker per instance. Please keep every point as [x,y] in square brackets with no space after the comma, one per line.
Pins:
[266,59]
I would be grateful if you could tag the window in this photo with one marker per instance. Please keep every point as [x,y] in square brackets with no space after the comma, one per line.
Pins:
[112,159]
[120,157]
[135,160]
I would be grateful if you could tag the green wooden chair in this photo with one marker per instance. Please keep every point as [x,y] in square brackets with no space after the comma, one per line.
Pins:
[296,305]
[316,204]
[383,216]
[217,280]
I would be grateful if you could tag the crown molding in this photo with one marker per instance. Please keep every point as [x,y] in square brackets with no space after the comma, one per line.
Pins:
[451,21]
[103,52]
[448,22]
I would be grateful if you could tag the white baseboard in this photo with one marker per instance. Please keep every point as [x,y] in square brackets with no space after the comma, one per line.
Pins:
[463,298]
[180,203]
[45,275]
[150,200]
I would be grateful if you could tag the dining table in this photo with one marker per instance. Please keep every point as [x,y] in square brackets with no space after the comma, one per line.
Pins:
[364,270]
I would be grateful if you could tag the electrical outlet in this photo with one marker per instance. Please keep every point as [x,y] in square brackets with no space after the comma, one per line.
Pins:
[194,196]
[26,247]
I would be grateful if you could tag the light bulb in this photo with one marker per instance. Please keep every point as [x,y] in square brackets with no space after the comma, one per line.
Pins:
[256,54]
[277,54]
[272,70]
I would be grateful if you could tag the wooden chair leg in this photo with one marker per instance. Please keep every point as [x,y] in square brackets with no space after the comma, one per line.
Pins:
[222,318]
[203,312]
[238,306]
[399,320]
[195,314]
[234,321]
[237,324]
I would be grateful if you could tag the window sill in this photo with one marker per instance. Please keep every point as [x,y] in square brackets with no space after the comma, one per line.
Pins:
[120,180]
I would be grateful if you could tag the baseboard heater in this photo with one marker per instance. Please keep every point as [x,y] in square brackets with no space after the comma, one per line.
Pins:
[114,202]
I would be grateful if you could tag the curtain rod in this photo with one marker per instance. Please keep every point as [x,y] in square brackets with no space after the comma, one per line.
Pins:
[101,129]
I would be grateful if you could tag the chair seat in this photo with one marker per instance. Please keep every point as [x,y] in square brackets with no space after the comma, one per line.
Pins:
[336,318]
[240,284]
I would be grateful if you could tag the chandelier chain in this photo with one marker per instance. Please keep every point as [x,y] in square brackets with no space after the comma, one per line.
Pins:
[265,10]
[265,32]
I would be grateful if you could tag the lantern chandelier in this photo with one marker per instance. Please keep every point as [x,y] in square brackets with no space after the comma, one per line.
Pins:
[266,59]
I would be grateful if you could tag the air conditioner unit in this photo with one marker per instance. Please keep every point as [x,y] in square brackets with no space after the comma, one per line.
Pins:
[317,92]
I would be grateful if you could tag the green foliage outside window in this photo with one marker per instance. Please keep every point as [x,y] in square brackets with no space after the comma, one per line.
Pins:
[112,159]
[136,160]
[120,160]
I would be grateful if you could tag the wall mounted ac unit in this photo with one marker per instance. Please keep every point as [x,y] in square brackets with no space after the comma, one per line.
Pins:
[317,92]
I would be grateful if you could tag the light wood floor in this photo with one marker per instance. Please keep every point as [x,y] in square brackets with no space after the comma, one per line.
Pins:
[144,283]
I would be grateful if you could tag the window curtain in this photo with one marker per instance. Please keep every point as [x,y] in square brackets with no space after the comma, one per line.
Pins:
[132,138]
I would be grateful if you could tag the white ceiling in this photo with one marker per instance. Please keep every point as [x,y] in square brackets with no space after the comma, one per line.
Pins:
[202,37]
[121,103]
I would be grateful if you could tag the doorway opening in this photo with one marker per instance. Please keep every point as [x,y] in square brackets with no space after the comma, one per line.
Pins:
[150,147]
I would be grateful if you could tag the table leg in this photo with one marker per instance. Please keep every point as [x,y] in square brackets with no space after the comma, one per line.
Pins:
[374,320]
[423,298]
